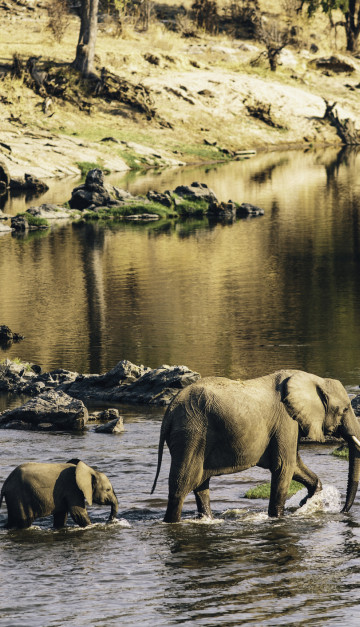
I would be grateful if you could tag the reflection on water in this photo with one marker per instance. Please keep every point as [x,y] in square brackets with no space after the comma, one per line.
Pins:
[240,300]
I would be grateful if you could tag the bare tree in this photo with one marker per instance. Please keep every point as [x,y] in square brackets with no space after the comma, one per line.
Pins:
[274,39]
[85,51]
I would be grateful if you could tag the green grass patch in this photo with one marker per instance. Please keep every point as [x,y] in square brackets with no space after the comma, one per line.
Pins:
[35,220]
[135,208]
[187,207]
[342,452]
[203,152]
[18,362]
[133,161]
[263,491]
[86,166]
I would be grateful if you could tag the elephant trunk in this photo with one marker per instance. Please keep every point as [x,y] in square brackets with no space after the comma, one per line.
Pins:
[351,433]
[114,508]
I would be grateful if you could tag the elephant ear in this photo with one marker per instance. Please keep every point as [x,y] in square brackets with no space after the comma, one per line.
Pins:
[84,478]
[306,400]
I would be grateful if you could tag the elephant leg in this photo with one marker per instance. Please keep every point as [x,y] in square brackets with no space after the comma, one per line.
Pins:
[308,478]
[280,482]
[202,496]
[184,476]
[174,509]
[80,516]
[60,519]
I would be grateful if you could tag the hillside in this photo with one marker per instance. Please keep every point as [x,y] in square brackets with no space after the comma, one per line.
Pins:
[207,96]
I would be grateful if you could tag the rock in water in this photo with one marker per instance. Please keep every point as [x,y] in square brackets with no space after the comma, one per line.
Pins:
[51,411]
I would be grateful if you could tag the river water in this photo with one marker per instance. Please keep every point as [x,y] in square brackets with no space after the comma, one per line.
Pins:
[238,300]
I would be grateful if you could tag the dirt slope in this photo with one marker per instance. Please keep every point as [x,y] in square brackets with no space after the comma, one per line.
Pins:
[208,97]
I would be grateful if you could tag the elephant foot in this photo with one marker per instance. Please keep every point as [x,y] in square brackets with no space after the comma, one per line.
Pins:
[311,493]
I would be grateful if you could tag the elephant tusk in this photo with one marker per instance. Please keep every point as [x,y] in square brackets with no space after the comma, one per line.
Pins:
[357,442]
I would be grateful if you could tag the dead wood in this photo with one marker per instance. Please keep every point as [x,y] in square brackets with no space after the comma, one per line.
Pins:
[345,128]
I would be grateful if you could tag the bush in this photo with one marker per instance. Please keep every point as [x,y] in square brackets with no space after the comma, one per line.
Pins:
[59,18]
[206,15]
[241,17]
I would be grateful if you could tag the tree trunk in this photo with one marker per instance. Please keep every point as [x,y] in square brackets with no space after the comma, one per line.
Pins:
[352,25]
[85,51]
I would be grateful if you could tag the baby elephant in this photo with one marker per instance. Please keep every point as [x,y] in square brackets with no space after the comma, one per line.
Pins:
[34,490]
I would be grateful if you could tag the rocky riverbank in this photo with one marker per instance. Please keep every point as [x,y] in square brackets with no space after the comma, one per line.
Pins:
[93,200]
[59,398]
[167,96]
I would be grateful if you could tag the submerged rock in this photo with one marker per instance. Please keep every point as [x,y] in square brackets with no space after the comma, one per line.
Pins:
[114,426]
[50,411]
[222,210]
[19,223]
[29,185]
[7,336]
[247,210]
[105,416]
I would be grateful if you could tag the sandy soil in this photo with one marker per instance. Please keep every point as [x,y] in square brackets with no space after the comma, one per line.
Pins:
[204,89]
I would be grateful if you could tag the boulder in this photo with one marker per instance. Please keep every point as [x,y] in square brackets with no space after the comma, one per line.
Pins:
[115,426]
[50,411]
[105,415]
[125,383]
[163,199]
[128,383]
[25,378]
[7,336]
[49,212]
[246,210]
[335,63]
[196,191]
[29,185]
[92,192]
[19,223]
[222,210]
[4,177]
[4,228]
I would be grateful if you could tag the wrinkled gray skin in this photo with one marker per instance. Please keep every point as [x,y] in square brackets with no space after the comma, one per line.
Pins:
[34,490]
[218,426]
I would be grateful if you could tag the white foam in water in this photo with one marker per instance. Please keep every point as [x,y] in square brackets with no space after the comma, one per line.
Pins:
[328,500]
[205,520]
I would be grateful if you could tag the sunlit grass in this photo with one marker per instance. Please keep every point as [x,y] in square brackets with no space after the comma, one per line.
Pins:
[342,452]
[263,491]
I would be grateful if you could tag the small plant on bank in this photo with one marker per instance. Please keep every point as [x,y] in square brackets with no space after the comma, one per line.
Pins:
[16,360]
[263,491]
[86,166]
[59,18]
[35,220]
[342,452]
[206,15]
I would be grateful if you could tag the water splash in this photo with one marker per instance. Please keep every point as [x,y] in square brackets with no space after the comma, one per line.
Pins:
[205,520]
[328,500]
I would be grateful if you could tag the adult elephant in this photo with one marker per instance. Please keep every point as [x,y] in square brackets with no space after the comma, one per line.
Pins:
[218,426]
[33,490]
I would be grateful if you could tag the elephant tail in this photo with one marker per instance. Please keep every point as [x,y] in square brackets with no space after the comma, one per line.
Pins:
[160,454]
[1,497]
